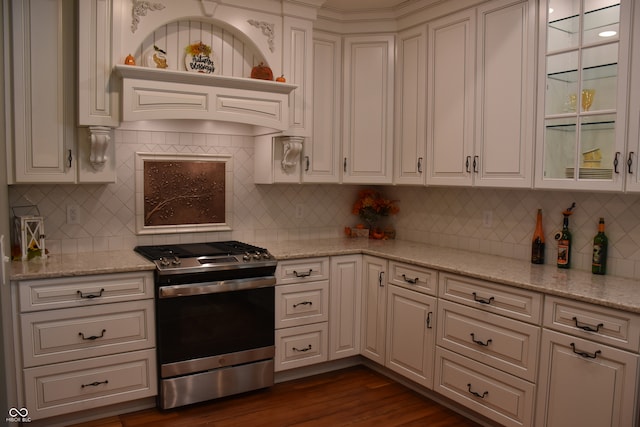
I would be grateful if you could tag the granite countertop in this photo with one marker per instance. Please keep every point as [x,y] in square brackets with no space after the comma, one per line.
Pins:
[610,291]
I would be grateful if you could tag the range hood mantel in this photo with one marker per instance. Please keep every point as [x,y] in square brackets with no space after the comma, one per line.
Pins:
[154,94]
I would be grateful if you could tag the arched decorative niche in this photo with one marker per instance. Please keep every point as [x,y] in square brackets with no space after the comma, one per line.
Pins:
[234,55]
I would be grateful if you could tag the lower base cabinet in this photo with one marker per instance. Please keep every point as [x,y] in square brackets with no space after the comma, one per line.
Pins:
[585,383]
[410,334]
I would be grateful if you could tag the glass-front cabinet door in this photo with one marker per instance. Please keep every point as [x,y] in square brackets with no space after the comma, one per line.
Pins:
[582,96]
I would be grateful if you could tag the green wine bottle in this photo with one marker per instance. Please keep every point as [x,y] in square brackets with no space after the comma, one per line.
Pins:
[600,243]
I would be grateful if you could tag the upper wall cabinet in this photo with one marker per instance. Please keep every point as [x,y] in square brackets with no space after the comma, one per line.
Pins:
[480,82]
[632,163]
[582,98]
[45,144]
[367,139]
[410,109]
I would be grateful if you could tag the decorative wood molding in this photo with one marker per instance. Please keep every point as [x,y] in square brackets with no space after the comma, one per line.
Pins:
[267,30]
[140,8]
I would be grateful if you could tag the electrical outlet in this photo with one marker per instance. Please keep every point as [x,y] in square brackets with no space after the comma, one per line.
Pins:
[487,219]
[299,211]
[73,215]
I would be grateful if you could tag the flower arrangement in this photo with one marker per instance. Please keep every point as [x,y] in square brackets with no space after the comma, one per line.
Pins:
[371,206]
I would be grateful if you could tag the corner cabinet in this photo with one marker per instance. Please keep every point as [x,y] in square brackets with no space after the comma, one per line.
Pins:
[368,109]
[582,99]
[480,81]
[345,306]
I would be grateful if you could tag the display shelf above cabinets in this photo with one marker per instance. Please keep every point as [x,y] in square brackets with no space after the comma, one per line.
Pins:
[583,68]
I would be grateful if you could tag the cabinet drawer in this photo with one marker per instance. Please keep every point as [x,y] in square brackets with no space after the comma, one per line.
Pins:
[503,343]
[45,294]
[302,270]
[76,333]
[490,392]
[302,304]
[593,322]
[85,384]
[415,278]
[508,301]
[301,346]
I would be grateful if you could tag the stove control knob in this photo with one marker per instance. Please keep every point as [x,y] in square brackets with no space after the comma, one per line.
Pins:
[256,255]
[164,261]
[246,257]
[266,255]
[176,261]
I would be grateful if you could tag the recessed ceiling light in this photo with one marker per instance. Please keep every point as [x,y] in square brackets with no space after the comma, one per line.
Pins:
[607,34]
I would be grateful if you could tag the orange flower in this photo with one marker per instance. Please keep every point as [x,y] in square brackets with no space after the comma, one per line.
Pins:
[370,206]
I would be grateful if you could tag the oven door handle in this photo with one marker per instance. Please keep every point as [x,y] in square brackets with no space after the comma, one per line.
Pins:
[203,288]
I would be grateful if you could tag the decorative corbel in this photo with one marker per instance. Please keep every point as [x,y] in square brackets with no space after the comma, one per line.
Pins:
[209,7]
[292,147]
[99,138]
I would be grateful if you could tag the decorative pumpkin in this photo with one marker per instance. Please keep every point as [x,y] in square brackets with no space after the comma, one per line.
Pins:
[281,79]
[261,72]
[130,60]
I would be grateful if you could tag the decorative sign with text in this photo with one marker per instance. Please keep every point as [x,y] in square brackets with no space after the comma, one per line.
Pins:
[199,58]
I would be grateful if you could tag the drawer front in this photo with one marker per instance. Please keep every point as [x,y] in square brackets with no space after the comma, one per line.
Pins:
[301,346]
[86,384]
[302,270]
[302,304]
[415,278]
[45,294]
[503,343]
[596,323]
[490,392]
[76,333]
[507,301]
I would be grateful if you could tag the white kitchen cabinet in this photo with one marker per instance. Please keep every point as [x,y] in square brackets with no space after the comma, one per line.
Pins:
[301,313]
[588,365]
[374,313]
[410,343]
[583,95]
[410,109]
[480,82]
[488,341]
[86,341]
[633,137]
[345,291]
[298,70]
[43,98]
[367,138]
[321,153]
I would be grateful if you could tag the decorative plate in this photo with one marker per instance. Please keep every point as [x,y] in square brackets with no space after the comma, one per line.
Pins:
[199,58]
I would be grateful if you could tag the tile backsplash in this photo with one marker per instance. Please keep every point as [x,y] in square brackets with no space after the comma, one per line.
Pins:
[495,221]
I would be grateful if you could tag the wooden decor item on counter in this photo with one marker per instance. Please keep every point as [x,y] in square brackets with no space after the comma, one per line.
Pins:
[261,72]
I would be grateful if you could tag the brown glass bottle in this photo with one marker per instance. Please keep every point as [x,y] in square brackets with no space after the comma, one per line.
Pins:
[537,243]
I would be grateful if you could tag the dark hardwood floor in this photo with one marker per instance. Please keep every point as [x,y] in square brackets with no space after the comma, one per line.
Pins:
[355,396]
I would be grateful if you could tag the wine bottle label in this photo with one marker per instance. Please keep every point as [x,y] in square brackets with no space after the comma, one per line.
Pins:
[598,254]
[563,252]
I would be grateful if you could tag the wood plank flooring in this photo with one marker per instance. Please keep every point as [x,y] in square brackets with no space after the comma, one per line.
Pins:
[355,396]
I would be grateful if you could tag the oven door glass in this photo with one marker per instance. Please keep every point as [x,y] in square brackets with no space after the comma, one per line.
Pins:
[208,325]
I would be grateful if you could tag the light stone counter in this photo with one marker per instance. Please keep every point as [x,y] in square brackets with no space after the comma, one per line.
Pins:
[79,265]
[609,291]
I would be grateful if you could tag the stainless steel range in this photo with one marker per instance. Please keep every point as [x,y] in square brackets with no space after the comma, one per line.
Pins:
[215,307]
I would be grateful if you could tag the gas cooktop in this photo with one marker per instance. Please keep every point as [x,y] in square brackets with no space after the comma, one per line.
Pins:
[209,256]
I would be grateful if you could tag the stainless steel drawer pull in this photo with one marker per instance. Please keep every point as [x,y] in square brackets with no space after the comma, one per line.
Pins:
[475,393]
[307,274]
[302,350]
[486,343]
[92,337]
[482,300]
[588,328]
[409,280]
[584,353]
[90,296]
[302,303]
